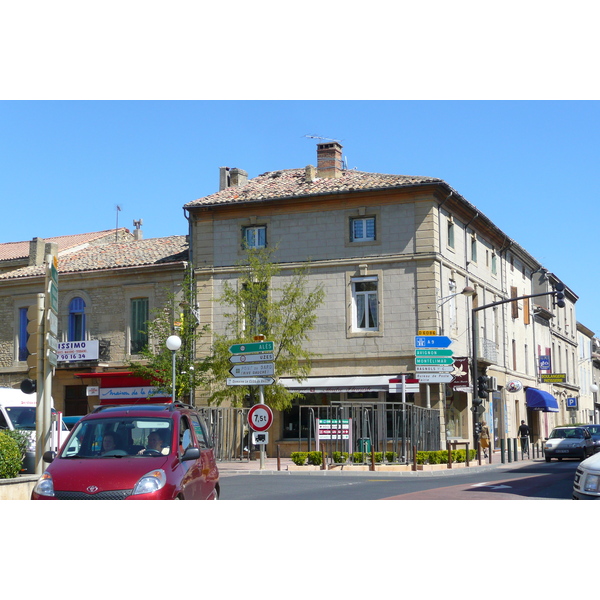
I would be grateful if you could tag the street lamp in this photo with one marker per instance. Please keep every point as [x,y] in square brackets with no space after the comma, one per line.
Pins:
[173,344]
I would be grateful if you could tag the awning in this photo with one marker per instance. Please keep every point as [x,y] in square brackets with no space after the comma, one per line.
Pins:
[540,400]
[335,385]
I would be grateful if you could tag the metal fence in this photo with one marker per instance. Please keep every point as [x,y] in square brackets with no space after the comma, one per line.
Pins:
[355,427]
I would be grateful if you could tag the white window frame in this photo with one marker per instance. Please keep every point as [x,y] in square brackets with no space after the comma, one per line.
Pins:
[255,230]
[364,227]
[368,297]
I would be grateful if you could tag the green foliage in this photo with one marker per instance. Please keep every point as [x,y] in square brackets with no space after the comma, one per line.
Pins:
[283,314]
[357,457]
[315,458]
[340,457]
[11,458]
[440,457]
[299,458]
[22,438]
[391,457]
[175,317]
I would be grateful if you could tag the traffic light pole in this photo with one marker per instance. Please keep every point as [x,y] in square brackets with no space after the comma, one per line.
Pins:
[474,366]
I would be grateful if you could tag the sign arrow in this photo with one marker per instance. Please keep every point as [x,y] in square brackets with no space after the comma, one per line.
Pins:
[432,341]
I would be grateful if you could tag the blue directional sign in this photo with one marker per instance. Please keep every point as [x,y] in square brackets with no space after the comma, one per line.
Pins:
[545,364]
[432,341]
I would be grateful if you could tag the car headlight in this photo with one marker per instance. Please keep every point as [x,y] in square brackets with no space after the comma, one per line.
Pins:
[150,482]
[45,485]
[592,483]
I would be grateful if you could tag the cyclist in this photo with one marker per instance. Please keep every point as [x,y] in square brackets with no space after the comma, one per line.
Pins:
[524,435]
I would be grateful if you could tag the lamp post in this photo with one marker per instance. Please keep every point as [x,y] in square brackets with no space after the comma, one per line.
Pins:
[173,344]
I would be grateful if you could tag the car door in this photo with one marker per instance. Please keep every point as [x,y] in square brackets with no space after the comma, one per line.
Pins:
[191,483]
[207,458]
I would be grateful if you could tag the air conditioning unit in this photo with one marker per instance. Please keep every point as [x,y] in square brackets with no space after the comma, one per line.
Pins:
[492,384]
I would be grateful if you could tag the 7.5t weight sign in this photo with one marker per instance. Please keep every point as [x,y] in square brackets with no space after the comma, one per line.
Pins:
[260,417]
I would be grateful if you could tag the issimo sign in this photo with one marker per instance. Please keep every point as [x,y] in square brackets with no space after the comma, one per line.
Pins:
[72,351]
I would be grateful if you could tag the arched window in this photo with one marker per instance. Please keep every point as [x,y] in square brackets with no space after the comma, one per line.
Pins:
[76,320]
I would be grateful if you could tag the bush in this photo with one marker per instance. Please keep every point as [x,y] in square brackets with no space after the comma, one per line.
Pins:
[340,457]
[22,438]
[440,457]
[11,459]
[391,457]
[299,458]
[357,457]
[315,458]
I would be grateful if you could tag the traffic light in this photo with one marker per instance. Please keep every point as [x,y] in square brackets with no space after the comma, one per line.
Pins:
[559,294]
[478,428]
[35,315]
[482,387]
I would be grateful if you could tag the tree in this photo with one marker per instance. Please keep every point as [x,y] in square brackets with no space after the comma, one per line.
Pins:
[284,315]
[176,317]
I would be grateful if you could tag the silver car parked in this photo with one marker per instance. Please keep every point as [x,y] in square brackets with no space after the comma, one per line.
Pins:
[569,442]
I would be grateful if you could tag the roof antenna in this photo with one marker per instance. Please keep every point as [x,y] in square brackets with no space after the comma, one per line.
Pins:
[117,228]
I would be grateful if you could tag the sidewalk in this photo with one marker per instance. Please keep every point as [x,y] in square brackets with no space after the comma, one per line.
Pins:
[252,467]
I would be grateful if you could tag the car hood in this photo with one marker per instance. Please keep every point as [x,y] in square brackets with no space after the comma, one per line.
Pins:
[565,442]
[96,475]
[592,463]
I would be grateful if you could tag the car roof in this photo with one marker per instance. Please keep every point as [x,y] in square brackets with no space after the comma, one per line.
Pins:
[139,410]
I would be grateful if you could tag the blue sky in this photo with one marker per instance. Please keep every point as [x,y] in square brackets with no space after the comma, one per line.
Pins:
[530,166]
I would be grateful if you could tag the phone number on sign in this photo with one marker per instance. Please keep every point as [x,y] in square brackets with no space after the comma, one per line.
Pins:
[75,356]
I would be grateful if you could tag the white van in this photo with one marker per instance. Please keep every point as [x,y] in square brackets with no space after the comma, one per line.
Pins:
[17,411]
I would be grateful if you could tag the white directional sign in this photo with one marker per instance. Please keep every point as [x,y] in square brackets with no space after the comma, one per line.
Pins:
[250,381]
[253,370]
[435,377]
[252,358]
[434,368]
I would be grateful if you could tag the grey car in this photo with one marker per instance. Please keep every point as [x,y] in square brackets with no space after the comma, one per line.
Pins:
[569,442]
[595,433]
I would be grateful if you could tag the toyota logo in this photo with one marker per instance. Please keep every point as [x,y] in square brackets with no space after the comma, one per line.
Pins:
[92,489]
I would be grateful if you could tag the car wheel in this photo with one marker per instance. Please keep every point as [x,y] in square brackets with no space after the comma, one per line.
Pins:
[548,459]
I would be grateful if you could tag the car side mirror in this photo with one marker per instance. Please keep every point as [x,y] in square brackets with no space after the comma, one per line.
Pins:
[191,454]
[49,456]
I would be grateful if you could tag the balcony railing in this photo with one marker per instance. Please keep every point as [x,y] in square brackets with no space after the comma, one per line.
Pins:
[487,351]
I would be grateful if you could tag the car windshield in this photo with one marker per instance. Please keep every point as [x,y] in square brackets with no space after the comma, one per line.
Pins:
[593,429]
[23,417]
[575,433]
[119,437]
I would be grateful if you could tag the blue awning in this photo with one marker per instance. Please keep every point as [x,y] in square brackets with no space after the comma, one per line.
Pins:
[540,400]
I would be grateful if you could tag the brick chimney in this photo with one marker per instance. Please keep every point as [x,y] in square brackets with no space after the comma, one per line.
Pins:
[329,160]
[232,178]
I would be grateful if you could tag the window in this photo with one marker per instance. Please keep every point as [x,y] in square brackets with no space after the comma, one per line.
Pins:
[76,330]
[494,264]
[526,311]
[255,236]
[514,305]
[365,304]
[23,335]
[450,233]
[474,248]
[200,430]
[138,328]
[362,229]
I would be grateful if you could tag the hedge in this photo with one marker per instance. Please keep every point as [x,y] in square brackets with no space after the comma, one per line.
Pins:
[11,458]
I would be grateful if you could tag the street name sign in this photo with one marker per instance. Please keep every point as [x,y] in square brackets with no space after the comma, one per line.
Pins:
[250,380]
[253,370]
[432,341]
[434,368]
[252,347]
[435,377]
[252,358]
[433,360]
[433,352]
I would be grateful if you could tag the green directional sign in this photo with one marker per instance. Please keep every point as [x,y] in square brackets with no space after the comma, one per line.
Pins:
[252,347]
[433,360]
[433,352]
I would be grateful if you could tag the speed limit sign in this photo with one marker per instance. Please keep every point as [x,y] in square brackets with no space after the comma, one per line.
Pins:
[260,417]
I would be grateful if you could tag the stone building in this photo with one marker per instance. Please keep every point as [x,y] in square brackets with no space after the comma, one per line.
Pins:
[109,284]
[399,256]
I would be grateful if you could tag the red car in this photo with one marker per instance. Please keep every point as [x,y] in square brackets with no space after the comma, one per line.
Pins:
[129,452]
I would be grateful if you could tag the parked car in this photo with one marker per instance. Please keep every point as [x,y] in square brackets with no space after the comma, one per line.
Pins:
[595,433]
[18,411]
[149,452]
[568,442]
[586,485]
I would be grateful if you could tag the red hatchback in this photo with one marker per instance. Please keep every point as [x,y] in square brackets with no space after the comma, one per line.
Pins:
[150,452]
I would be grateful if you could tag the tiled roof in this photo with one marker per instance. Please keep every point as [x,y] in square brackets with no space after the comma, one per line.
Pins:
[292,183]
[114,256]
[16,250]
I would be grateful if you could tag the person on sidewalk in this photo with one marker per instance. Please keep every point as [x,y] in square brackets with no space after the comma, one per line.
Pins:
[524,435]
[484,438]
